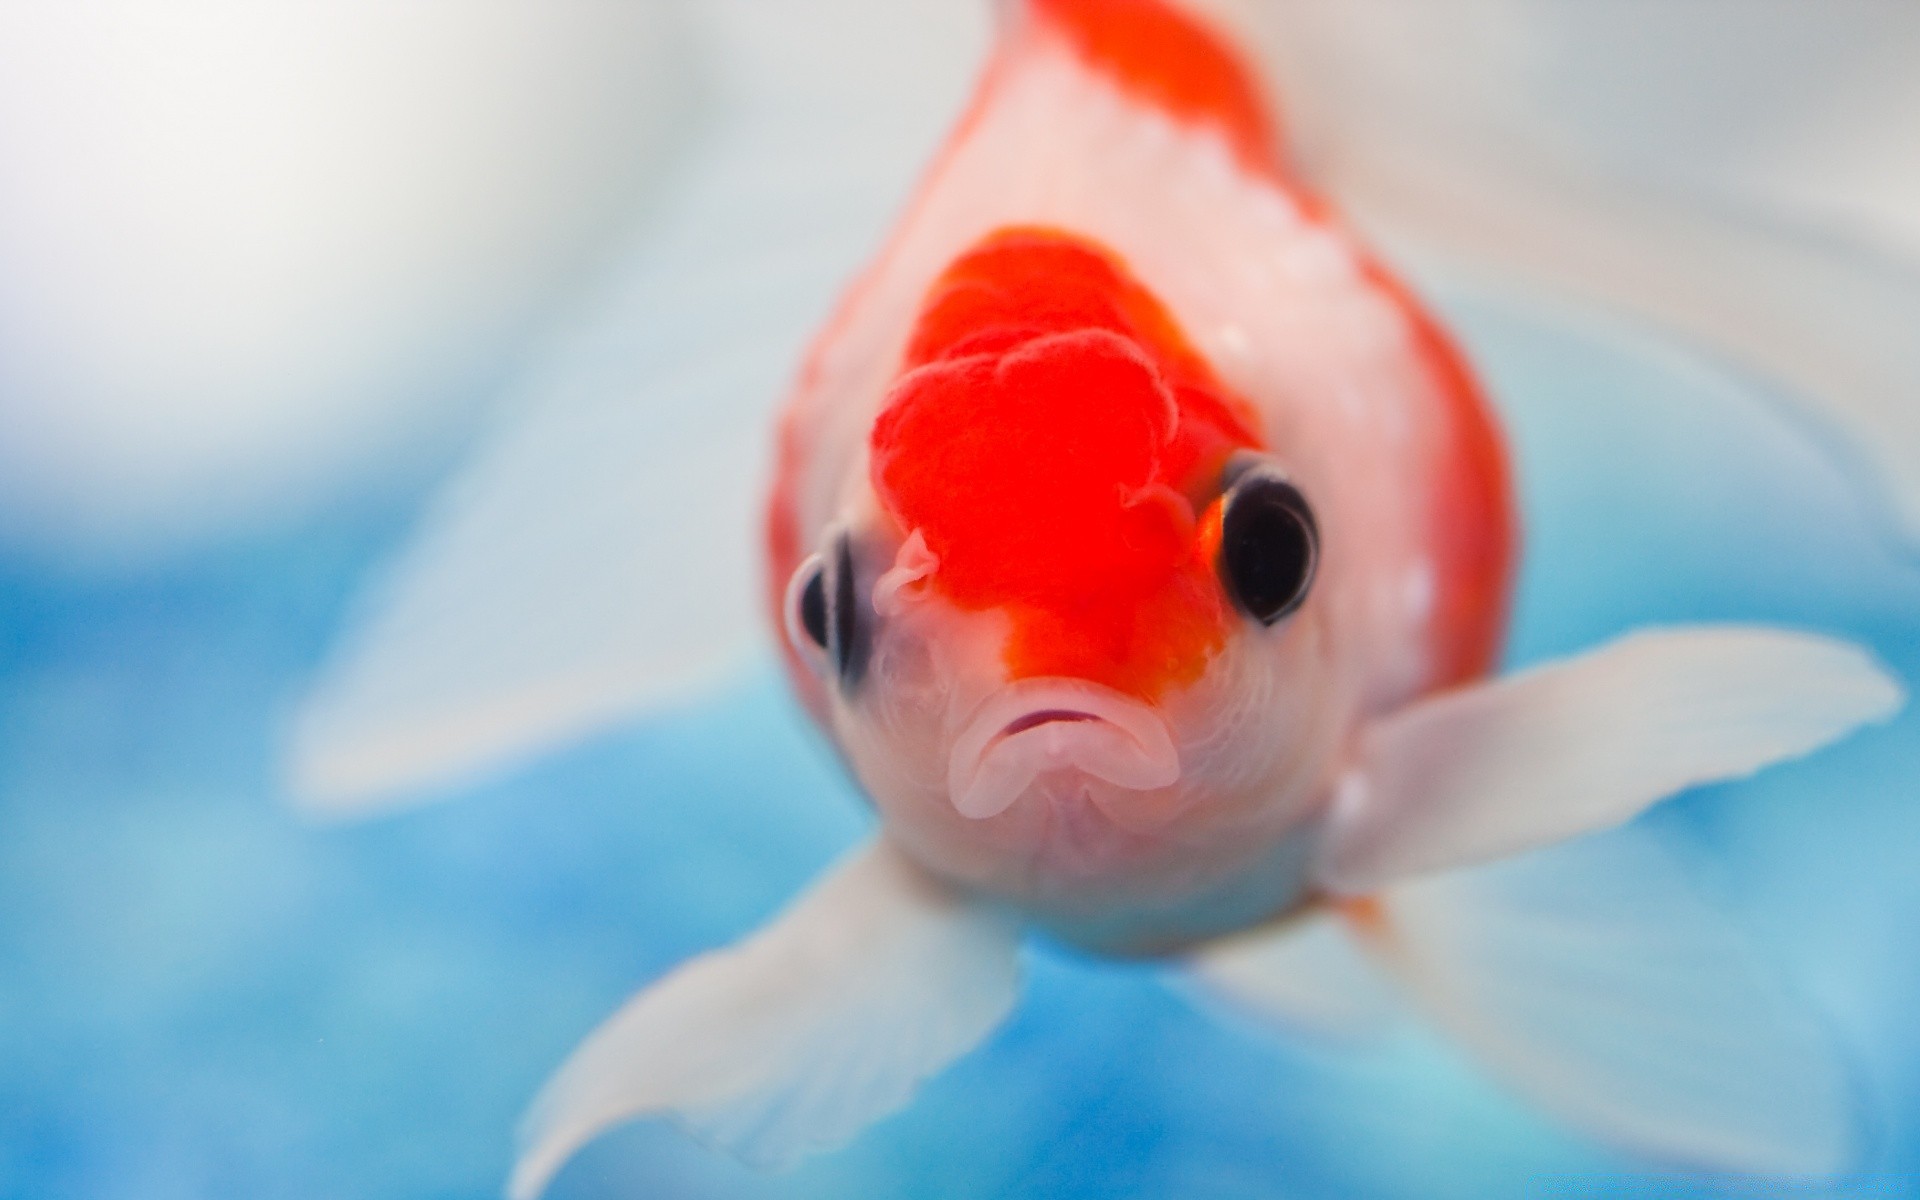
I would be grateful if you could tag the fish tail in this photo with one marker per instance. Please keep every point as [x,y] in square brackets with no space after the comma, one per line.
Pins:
[1593,980]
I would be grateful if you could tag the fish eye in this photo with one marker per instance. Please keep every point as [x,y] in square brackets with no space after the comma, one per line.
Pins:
[1269,544]
[812,611]
[823,611]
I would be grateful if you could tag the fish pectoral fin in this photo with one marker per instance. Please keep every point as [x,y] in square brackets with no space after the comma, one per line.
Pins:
[1306,974]
[1593,981]
[798,1037]
[1486,771]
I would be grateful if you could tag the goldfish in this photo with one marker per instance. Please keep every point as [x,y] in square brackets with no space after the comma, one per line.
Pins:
[1144,547]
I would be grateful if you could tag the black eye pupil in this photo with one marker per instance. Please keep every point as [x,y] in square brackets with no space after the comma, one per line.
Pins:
[1268,546]
[813,608]
[847,634]
[828,611]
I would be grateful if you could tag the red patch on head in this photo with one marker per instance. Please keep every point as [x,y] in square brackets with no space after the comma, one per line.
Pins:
[1048,441]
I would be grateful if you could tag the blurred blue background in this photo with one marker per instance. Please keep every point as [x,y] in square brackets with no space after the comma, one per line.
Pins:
[201,995]
[228,390]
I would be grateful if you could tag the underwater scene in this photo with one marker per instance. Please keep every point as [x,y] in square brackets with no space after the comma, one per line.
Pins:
[207,995]
[209,990]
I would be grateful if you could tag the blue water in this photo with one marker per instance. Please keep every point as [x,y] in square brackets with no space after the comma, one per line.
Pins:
[201,996]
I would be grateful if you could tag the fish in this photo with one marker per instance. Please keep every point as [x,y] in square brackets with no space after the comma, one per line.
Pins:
[1144,545]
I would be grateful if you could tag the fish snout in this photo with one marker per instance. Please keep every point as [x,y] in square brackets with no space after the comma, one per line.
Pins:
[1041,725]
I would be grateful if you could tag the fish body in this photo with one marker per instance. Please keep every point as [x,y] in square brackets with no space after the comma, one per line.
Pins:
[1107,296]
[1144,547]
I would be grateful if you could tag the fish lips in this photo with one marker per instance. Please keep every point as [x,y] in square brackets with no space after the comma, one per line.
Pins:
[1039,725]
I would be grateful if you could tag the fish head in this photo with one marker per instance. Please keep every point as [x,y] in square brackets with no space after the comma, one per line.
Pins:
[1072,628]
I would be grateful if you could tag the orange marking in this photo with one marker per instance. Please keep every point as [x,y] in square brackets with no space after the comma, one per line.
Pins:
[1367,914]
[1175,62]
[784,552]
[1475,531]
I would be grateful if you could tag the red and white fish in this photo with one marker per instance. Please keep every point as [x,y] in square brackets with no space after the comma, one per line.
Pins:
[1144,546]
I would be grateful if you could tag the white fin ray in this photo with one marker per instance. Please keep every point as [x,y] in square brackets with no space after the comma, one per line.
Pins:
[1305,974]
[1828,321]
[1493,769]
[599,556]
[1765,214]
[799,1037]
[1595,982]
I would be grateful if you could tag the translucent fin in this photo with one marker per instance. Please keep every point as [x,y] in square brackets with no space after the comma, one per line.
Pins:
[1305,975]
[1597,984]
[1486,771]
[1828,322]
[1487,136]
[599,556]
[800,1036]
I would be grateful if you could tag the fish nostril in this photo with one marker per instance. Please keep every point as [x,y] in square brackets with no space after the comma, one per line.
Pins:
[1045,717]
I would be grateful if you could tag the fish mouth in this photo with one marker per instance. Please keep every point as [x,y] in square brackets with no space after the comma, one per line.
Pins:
[1039,725]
